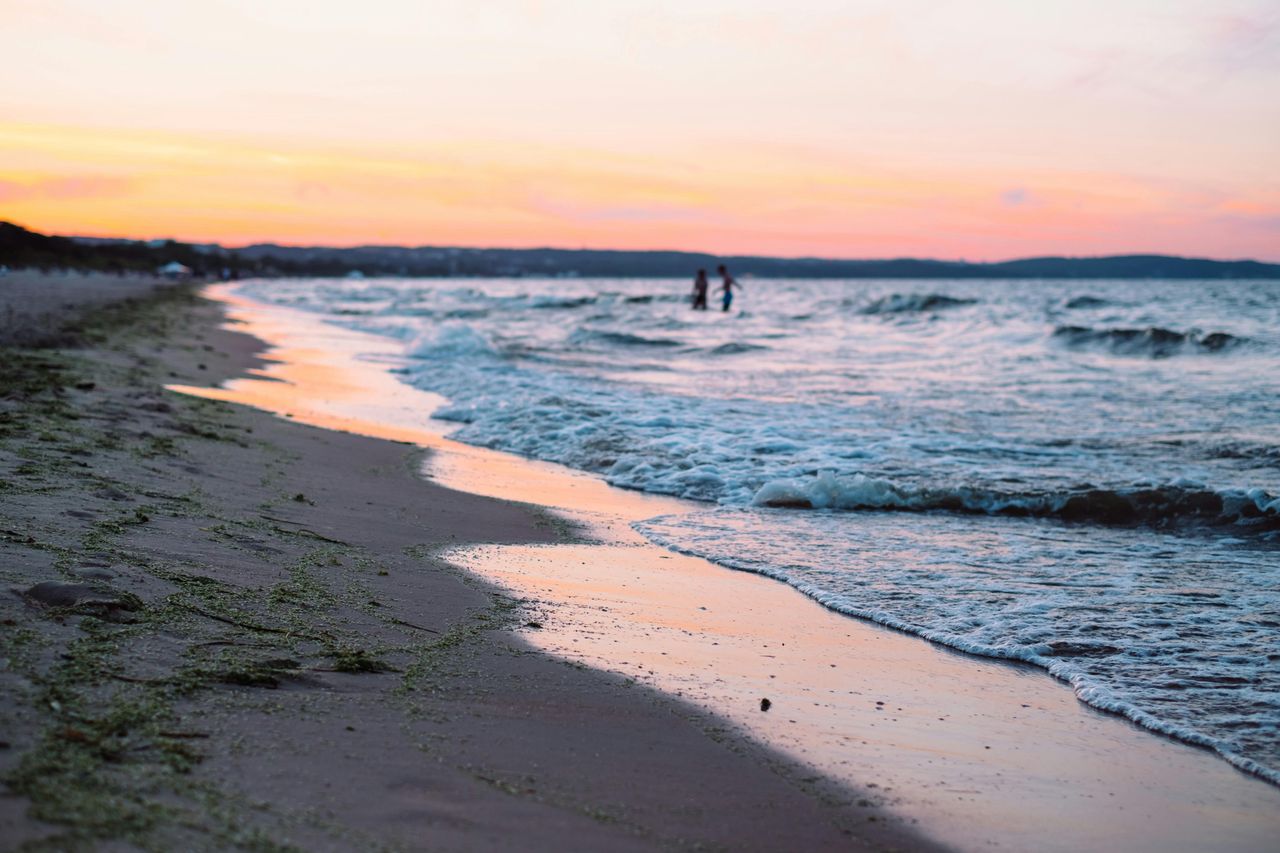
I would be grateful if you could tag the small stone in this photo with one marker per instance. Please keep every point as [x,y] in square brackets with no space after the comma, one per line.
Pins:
[59,594]
[765,704]
[93,573]
[111,493]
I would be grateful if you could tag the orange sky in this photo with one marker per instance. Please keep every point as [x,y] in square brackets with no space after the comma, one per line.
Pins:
[982,130]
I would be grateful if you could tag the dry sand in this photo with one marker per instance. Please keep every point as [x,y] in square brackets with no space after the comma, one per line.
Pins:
[224,630]
[36,308]
[981,753]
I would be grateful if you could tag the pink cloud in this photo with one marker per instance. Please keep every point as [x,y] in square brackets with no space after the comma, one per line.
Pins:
[1242,41]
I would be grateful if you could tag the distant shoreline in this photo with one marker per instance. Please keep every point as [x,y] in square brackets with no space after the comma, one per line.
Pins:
[22,248]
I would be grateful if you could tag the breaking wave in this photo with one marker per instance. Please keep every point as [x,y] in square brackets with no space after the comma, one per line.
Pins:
[625,339]
[1087,302]
[734,348]
[1153,341]
[451,340]
[551,302]
[901,303]
[1168,506]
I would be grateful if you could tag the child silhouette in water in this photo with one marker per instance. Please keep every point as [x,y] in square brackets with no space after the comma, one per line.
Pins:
[727,285]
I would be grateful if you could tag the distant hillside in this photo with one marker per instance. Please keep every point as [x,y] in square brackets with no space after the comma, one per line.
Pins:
[22,248]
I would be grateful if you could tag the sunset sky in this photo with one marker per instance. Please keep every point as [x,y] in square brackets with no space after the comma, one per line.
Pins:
[986,129]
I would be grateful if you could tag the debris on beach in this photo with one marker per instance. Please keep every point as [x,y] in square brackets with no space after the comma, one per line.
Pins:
[80,596]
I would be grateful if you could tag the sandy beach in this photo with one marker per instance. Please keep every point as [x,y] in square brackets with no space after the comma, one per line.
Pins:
[976,752]
[36,307]
[578,426]
[224,630]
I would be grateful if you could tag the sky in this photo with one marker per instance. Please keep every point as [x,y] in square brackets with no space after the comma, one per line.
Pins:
[981,130]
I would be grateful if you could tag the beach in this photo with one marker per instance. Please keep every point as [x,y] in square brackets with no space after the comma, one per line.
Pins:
[38,306]
[226,630]
[591,426]
[306,617]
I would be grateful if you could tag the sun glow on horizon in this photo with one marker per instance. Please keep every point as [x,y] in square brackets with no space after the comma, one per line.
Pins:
[838,129]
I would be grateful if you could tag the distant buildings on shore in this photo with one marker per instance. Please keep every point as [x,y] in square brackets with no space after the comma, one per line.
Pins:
[21,248]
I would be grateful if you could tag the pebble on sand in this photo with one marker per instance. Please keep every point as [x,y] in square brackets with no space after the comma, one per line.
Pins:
[59,594]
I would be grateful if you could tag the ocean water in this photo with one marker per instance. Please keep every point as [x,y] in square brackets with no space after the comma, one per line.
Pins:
[1083,475]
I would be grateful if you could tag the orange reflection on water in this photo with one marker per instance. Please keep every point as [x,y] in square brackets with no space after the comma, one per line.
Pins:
[322,375]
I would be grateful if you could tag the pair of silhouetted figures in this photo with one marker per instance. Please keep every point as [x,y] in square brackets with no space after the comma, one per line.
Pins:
[727,285]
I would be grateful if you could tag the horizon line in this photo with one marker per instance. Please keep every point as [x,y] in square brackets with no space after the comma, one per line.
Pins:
[538,248]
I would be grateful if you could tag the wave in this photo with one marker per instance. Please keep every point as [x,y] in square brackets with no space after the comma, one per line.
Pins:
[734,348]
[900,303]
[451,339]
[1262,454]
[621,339]
[1174,505]
[1088,302]
[646,298]
[466,314]
[1154,342]
[361,293]
[551,302]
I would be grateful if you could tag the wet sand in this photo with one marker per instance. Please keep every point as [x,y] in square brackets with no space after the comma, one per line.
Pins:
[980,753]
[226,630]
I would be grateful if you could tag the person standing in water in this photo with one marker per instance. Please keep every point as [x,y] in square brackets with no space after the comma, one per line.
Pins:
[727,285]
[700,286]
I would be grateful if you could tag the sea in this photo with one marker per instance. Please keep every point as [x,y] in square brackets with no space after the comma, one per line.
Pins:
[1079,475]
